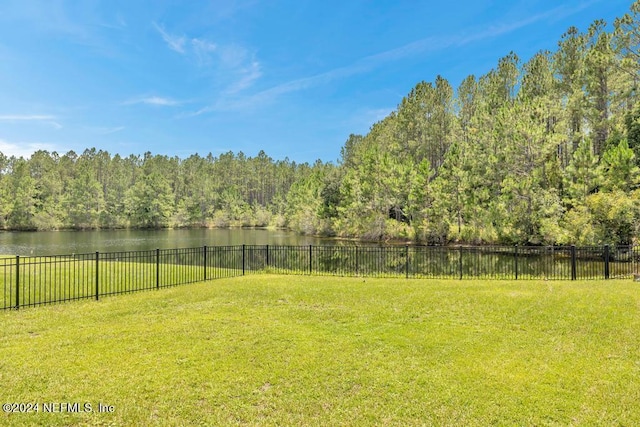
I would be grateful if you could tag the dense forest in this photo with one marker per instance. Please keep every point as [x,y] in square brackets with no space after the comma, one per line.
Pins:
[541,152]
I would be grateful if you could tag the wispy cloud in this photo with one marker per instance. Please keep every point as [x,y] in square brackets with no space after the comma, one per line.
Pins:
[232,65]
[176,43]
[45,16]
[439,43]
[368,63]
[106,130]
[230,103]
[202,50]
[363,65]
[238,66]
[47,119]
[153,100]
[248,75]
[78,23]
[23,149]
[556,13]
[25,117]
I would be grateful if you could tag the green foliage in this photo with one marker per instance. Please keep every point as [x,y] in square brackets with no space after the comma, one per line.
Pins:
[619,168]
[632,125]
[582,176]
[22,197]
[615,216]
[149,201]
[578,228]
[311,201]
[96,190]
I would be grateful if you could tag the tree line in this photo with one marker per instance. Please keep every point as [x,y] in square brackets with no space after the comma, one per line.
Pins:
[96,190]
[545,151]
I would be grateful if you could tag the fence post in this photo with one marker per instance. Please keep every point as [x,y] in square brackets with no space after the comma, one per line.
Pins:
[515,259]
[573,262]
[266,261]
[157,268]
[460,260]
[17,282]
[243,252]
[606,261]
[97,275]
[204,261]
[310,260]
[406,264]
[356,260]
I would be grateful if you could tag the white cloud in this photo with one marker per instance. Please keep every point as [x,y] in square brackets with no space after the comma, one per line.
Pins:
[19,117]
[232,56]
[46,16]
[108,131]
[202,50]
[249,75]
[153,100]
[42,118]
[174,42]
[105,130]
[228,103]
[23,149]
[231,64]
[371,62]
[443,42]
[238,66]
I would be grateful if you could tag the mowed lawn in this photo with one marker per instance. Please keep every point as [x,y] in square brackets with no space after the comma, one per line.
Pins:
[292,350]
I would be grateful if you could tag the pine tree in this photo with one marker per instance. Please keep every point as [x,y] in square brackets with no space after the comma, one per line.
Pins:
[619,169]
[582,176]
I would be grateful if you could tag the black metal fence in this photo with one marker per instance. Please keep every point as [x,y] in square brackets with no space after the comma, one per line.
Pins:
[35,280]
[447,262]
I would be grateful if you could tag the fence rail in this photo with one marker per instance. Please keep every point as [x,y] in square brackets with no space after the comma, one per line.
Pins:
[36,280]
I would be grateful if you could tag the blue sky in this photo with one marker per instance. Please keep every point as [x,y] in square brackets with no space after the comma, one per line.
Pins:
[292,78]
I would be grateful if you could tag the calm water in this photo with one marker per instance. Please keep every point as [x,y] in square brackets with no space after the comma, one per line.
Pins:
[68,242]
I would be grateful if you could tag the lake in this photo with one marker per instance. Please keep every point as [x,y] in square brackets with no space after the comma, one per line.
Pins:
[488,261]
[68,242]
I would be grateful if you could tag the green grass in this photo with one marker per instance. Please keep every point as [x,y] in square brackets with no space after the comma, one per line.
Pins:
[273,350]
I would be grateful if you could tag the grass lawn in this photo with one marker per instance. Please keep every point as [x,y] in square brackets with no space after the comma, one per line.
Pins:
[295,350]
